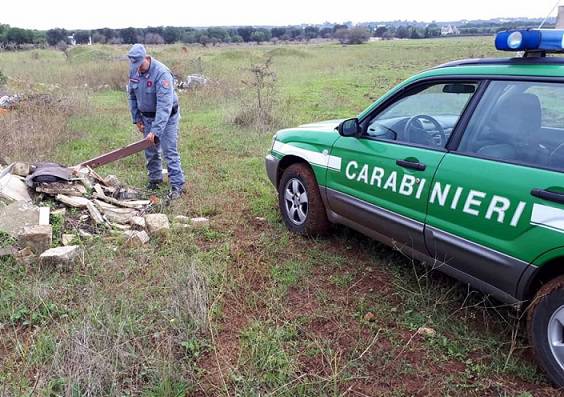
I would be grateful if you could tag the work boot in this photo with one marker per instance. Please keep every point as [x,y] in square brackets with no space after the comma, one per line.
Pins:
[154,185]
[175,194]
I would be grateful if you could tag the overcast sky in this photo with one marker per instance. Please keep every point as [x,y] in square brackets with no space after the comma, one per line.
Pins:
[73,14]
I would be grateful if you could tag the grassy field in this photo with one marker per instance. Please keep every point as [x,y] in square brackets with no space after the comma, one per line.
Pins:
[242,307]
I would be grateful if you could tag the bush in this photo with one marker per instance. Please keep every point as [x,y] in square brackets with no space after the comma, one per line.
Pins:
[352,36]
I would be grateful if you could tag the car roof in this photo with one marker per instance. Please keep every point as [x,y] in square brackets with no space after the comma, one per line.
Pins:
[551,66]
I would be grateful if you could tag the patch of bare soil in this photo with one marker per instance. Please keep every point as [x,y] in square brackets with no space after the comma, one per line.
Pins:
[367,357]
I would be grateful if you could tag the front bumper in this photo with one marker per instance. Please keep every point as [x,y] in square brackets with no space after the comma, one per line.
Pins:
[271,163]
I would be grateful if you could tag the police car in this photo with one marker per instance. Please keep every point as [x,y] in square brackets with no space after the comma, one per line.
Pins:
[460,166]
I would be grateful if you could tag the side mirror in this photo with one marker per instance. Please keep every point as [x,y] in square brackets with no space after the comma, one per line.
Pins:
[350,127]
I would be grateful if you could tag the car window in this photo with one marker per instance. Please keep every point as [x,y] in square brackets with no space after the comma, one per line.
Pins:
[425,116]
[521,122]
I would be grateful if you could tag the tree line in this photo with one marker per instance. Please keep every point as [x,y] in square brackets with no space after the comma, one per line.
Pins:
[345,33]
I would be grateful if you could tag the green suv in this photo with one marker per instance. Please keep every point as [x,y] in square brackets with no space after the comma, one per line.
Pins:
[460,166]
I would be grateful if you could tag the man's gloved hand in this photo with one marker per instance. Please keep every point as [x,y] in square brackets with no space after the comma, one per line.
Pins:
[140,126]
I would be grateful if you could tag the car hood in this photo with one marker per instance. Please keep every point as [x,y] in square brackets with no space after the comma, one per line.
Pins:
[327,125]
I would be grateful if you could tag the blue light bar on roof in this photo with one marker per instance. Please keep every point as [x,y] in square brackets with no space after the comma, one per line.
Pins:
[548,40]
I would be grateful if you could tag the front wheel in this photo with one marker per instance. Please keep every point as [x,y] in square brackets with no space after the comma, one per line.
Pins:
[546,329]
[300,202]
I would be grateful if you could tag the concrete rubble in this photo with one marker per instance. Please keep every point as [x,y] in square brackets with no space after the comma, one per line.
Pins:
[60,257]
[81,204]
[157,224]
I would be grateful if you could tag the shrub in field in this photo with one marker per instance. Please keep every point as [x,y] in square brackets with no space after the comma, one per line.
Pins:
[258,113]
[352,36]
[3,79]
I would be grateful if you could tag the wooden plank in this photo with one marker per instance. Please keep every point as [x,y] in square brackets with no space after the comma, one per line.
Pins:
[117,154]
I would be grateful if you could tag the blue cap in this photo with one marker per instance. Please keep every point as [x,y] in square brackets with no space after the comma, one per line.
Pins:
[136,55]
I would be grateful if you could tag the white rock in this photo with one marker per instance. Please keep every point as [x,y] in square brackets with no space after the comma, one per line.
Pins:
[200,222]
[137,222]
[425,331]
[182,219]
[157,223]
[137,239]
[73,201]
[60,256]
[38,237]
[67,239]
[112,180]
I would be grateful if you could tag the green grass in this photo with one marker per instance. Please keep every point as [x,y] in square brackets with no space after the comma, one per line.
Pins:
[286,313]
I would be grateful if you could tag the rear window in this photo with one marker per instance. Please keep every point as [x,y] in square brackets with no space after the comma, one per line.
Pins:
[520,122]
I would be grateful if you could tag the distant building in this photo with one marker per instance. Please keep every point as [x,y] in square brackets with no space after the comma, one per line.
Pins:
[71,40]
[449,30]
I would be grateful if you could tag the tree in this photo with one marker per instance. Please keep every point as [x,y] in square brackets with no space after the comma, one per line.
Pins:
[54,36]
[236,38]
[278,32]
[339,27]
[220,34]
[98,37]
[380,31]
[358,36]
[402,32]
[258,36]
[203,39]
[153,38]
[129,35]
[342,35]
[171,34]
[296,33]
[432,30]
[19,36]
[189,37]
[245,32]
[352,36]
[311,32]
[82,36]
[326,33]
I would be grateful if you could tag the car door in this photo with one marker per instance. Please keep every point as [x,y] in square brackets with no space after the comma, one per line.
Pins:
[386,172]
[497,199]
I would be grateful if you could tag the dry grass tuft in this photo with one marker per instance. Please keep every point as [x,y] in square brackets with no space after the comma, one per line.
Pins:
[36,125]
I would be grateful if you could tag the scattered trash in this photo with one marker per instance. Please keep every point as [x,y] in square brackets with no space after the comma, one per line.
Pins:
[192,81]
[425,331]
[8,101]
[200,222]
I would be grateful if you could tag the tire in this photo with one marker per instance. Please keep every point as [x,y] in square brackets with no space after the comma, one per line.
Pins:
[545,330]
[300,202]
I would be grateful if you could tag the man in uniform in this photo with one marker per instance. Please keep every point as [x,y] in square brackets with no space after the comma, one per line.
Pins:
[154,109]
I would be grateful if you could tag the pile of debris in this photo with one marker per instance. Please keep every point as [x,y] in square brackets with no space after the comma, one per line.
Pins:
[192,81]
[85,204]
[8,101]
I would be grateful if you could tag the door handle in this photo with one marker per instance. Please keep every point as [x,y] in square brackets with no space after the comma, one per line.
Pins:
[548,195]
[411,164]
